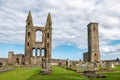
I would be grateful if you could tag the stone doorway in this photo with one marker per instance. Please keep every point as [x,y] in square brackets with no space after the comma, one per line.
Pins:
[17,61]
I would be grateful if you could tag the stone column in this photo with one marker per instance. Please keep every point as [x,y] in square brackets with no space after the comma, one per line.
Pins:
[35,52]
[43,63]
[40,52]
[35,56]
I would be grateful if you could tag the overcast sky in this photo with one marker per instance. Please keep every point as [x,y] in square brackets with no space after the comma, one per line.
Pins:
[70,19]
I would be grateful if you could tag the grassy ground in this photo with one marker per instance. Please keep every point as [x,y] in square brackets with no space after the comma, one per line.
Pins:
[34,74]
[117,68]
[111,75]
[19,74]
[57,74]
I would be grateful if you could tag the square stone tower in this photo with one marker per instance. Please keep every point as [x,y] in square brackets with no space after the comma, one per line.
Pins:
[93,42]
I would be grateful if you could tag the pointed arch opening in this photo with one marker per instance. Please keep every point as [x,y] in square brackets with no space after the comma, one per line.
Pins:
[43,52]
[38,36]
[33,52]
[17,61]
[38,52]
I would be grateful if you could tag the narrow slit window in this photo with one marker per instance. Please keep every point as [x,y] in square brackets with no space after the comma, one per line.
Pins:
[28,23]
[95,54]
[49,24]
[47,35]
[27,43]
[28,34]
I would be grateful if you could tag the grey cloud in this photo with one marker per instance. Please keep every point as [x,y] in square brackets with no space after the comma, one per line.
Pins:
[112,52]
[70,19]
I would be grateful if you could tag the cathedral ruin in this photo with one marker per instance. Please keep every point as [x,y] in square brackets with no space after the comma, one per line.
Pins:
[44,46]
[42,49]
[38,52]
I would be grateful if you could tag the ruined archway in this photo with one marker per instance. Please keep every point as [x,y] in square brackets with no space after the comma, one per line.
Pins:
[17,61]
[36,39]
[38,36]
[33,52]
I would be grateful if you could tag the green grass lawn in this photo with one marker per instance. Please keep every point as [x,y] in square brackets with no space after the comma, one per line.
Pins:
[57,74]
[19,74]
[116,68]
[34,74]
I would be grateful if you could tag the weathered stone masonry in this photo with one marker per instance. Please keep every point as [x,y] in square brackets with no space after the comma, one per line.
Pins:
[31,43]
[93,54]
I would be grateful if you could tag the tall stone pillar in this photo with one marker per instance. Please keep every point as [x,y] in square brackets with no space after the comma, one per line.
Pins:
[40,52]
[93,43]
[35,52]
[46,68]
[35,56]
[43,63]
[28,39]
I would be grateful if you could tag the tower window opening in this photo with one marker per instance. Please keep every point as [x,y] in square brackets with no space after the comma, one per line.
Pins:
[47,35]
[95,54]
[28,23]
[49,24]
[38,36]
[28,34]
[27,43]
[94,28]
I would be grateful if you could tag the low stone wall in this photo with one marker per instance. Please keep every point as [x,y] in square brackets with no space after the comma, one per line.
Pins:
[92,74]
[4,70]
[4,61]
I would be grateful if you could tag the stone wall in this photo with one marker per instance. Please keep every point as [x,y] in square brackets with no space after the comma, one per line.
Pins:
[62,62]
[36,60]
[15,59]
[4,61]
[109,63]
